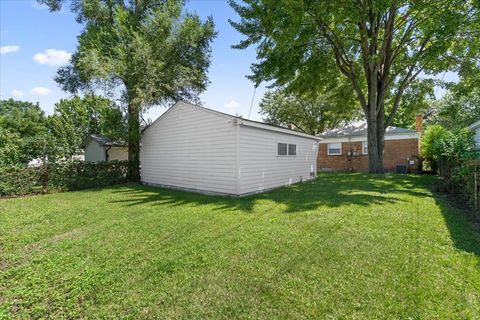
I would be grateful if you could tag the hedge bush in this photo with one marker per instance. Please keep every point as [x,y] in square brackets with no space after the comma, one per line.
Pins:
[18,181]
[70,175]
[451,153]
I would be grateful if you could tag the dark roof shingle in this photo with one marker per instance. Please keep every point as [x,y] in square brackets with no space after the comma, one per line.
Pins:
[103,140]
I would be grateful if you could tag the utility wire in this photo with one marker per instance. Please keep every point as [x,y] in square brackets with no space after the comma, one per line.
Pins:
[251,103]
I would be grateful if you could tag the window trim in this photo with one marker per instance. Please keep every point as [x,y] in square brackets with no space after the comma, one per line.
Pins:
[286,150]
[363,147]
[334,154]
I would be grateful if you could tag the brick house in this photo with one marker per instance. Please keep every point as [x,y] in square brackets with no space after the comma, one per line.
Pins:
[346,149]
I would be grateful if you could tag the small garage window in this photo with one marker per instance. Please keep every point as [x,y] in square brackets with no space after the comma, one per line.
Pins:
[334,149]
[282,149]
[287,149]
[292,149]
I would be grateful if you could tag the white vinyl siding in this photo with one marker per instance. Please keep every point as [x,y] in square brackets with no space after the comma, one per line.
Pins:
[261,169]
[334,149]
[94,152]
[192,149]
[364,147]
[199,149]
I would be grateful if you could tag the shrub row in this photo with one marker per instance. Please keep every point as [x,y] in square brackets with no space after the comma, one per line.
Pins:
[71,175]
[452,155]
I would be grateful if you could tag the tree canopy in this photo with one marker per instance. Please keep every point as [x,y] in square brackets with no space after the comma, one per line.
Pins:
[150,52]
[456,111]
[380,47]
[310,114]
[23,131]
[73,119]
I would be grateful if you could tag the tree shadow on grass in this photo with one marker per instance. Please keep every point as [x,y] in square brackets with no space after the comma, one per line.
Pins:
[329,190]
[332,190]
[463,232]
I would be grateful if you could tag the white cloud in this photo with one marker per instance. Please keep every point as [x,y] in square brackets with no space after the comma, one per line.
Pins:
[37,5]
[52,57]
[9,49]
[232,104]
[17,93]
[40,91]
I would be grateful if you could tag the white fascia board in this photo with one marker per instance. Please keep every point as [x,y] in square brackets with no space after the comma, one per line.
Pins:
[276,129]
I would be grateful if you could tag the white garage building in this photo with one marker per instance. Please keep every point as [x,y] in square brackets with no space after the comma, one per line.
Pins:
[198,149]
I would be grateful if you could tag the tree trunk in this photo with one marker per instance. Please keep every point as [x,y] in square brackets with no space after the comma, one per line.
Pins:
[375,123]
[375,149]
[133,142]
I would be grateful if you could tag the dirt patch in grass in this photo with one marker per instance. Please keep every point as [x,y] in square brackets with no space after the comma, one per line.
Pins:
[67,235]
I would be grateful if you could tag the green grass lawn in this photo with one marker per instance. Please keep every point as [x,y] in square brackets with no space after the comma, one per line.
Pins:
[348,246]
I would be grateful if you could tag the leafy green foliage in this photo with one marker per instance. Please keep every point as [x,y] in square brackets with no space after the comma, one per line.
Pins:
[450,153]
[63,176]
[20,181]
[149,51]
[23,132]
[380,47]
[73,119]
[347,246]
[310,114]
[432,144]
[457,110]
[417,99]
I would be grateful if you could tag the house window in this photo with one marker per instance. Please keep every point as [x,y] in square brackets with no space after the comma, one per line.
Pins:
[365,147]
[334,149]
[282,149]
[292,149]
[285,149]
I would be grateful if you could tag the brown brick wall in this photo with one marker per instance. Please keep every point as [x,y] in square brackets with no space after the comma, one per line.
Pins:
[396,152]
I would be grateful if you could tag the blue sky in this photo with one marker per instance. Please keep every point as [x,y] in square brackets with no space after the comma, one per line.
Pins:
[27,30]
[35,42]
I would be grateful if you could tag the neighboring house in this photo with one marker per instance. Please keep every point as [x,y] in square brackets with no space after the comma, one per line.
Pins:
[346,149]
[198,149]
[101,148]
[476,128]
[35,163]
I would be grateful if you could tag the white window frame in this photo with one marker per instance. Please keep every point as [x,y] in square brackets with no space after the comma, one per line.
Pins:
[282,155]
[334,154]
[363,147]
[288,149]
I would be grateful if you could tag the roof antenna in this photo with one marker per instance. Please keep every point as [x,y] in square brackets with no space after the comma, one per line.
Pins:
[253,98]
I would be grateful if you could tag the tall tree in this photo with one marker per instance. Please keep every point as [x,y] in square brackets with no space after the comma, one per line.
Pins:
[146,50]
[73,119]
[380,46]
[456,111]
[310,114]
[23,132]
